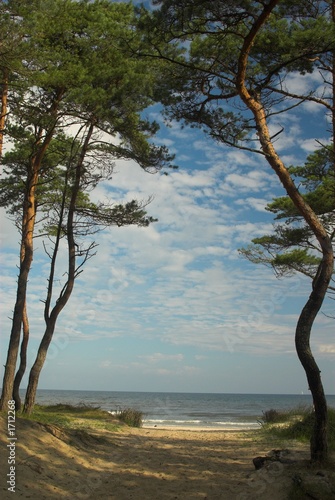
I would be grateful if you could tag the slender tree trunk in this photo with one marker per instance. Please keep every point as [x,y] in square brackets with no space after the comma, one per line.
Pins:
[318,444]
[28,226]
[23,360]
[23,350]
[3,110]
[37,367]
[27,244]
[303,331]
[319,447]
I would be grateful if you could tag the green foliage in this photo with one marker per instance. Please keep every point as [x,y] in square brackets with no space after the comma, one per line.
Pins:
[17,167]
[292,246]
[210,36]
[296,424]
[78,65]
[131,417]
[84,416]
[317,183]
[295,259]
[74,416]
[272,416]
[11,37]
[78,69]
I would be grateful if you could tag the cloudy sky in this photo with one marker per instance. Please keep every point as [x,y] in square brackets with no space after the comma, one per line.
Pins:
[173,307]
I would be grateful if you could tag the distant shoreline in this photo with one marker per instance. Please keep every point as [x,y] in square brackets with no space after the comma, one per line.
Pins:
[191,411]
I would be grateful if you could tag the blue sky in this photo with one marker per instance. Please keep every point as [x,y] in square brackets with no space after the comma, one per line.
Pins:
[173,307]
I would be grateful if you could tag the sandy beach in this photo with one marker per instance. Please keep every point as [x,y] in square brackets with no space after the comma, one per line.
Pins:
[145,463]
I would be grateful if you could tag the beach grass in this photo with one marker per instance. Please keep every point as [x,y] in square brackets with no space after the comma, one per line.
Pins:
[132,417]
[296,424]
[74,417]
[85,416]
[275,426]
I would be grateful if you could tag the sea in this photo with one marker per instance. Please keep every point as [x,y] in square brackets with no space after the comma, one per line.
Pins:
[185,410]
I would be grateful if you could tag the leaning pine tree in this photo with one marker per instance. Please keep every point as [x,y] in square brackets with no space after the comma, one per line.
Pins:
[228,72]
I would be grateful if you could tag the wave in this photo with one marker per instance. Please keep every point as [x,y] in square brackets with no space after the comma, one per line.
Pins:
[200,423]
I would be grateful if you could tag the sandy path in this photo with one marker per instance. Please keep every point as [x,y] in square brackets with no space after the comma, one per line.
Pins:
[140,464]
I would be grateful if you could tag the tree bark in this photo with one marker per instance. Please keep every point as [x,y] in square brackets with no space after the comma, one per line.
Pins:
[23,360]
[23,350]
[318,443]
[27,243]
[37,368]
[3,110]
[319,448]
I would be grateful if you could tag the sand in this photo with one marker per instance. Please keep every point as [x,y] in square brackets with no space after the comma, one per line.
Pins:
[143,464]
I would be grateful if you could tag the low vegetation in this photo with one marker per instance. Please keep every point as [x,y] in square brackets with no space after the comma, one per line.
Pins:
[296,424]
[84,417]
[133,418]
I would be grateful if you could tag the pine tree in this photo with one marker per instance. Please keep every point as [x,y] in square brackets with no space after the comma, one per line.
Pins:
[229,68]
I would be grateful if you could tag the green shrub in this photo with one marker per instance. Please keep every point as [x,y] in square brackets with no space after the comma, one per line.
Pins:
[73,416]
[298,424]
[131,417]
[301,428]
[272,416]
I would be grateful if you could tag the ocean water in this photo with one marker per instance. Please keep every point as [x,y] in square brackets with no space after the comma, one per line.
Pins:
[192,410]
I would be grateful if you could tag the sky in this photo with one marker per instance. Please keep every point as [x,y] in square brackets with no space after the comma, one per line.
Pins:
[174,307]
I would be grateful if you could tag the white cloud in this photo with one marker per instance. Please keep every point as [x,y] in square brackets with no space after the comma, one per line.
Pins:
[299,84]
[171,281]
[179,285]
[258,204]
[327,349]
[158,357]
[253,181]
[310,145]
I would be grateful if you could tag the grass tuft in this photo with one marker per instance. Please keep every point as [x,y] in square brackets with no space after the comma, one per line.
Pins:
[273,416]
[133,418]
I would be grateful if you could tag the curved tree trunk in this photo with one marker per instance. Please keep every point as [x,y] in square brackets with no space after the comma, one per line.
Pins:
[319,446]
